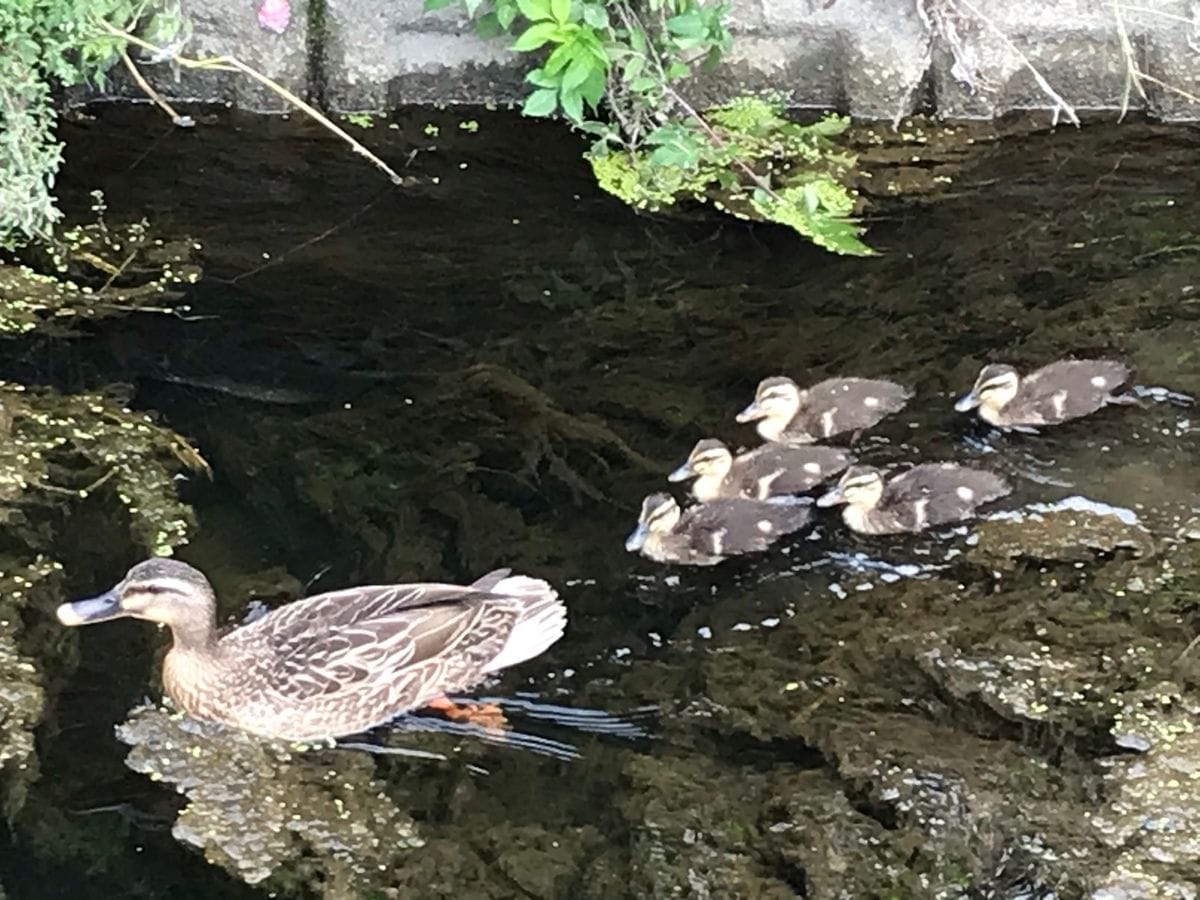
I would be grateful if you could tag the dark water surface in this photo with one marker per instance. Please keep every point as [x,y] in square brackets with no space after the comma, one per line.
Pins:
[491,367]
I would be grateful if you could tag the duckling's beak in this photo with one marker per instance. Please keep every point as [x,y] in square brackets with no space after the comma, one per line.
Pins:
[751,412]
[967,401]
[832,498]
[634,542]
[683,473]
[94,609]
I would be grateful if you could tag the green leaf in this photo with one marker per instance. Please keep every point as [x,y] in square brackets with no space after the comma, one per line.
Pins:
[688,25]
[536,36]
[643,85]
[555,61]
[572,104]
[560,10]
[576,74]
[534,10]
[435,5]
[506,13]
[541,102]
[593,88]
[596,16]
[677,70]
[488,26]
[472,6]
[541,79]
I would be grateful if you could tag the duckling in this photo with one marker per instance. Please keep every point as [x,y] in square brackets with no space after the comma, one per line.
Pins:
[1063,390]
[788,415]
[925,495]
[708,533]
[772,470]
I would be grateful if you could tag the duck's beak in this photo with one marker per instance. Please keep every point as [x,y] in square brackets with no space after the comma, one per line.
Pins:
[94,609]
[832,498]
[751,412]
[634,542]
[967,401]
[683,473]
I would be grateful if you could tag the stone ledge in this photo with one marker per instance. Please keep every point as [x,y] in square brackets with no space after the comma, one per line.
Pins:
[876,59]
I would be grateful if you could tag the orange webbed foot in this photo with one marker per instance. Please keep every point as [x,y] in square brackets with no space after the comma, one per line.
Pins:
[486,715]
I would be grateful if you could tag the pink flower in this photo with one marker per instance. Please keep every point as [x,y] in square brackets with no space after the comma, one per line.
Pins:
[274,15]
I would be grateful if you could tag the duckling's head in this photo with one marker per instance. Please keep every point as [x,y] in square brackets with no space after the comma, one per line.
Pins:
[709,459]
[162,590]
[995,386]
[777,398]
[660,513]
[860,486]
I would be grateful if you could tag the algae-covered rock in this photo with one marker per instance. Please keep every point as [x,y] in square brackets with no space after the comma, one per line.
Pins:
[1071,530]
[1151,824]
[266,810]
[21,695]
[66,447]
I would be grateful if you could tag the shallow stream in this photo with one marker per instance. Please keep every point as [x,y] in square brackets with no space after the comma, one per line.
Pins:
[491,367]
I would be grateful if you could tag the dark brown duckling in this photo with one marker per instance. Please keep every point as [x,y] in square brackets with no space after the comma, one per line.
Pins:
[772,470]
[788,415]
[1067,389]
[708,533]
[925,495]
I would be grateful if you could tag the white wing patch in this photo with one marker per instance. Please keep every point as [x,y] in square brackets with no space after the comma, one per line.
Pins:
[1060,402]
[1099,381]
[964,493]
[871,402]
[812,468]
[827,420]
[765,526]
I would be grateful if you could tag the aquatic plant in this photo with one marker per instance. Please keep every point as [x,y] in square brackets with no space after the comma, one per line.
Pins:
[91,271]
[50,45]
[617,70]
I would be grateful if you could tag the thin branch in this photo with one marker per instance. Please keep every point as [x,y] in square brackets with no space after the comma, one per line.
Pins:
[176,118]
[1131,67]
[233,64]
[1060,104]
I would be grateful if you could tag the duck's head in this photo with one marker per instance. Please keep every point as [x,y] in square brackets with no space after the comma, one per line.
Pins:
[777,398]
[709,458]
[995,386]
[161,590]
[660,513]
[860,486]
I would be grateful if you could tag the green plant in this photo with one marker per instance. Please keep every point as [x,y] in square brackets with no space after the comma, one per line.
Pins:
[617,70]
[47,45]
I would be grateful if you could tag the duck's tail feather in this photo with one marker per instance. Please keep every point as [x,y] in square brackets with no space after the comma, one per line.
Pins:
[542,620]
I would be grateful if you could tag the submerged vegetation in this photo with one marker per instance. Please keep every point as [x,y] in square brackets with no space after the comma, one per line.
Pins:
[618,70]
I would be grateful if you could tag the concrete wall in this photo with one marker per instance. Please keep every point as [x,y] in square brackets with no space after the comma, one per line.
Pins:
[874,58]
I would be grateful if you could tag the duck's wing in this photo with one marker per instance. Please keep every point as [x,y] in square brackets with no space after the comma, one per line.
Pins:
[725,527]
[838,405]
[399,659]
[1069,388]
[395,647]
[946,488]
[776,469]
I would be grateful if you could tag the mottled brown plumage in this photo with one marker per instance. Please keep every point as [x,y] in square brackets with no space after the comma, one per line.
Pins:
[926,495]
[337,663]
[1067,389]
[787,414]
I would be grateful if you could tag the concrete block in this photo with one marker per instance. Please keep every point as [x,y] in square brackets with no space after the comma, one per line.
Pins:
[229,27]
